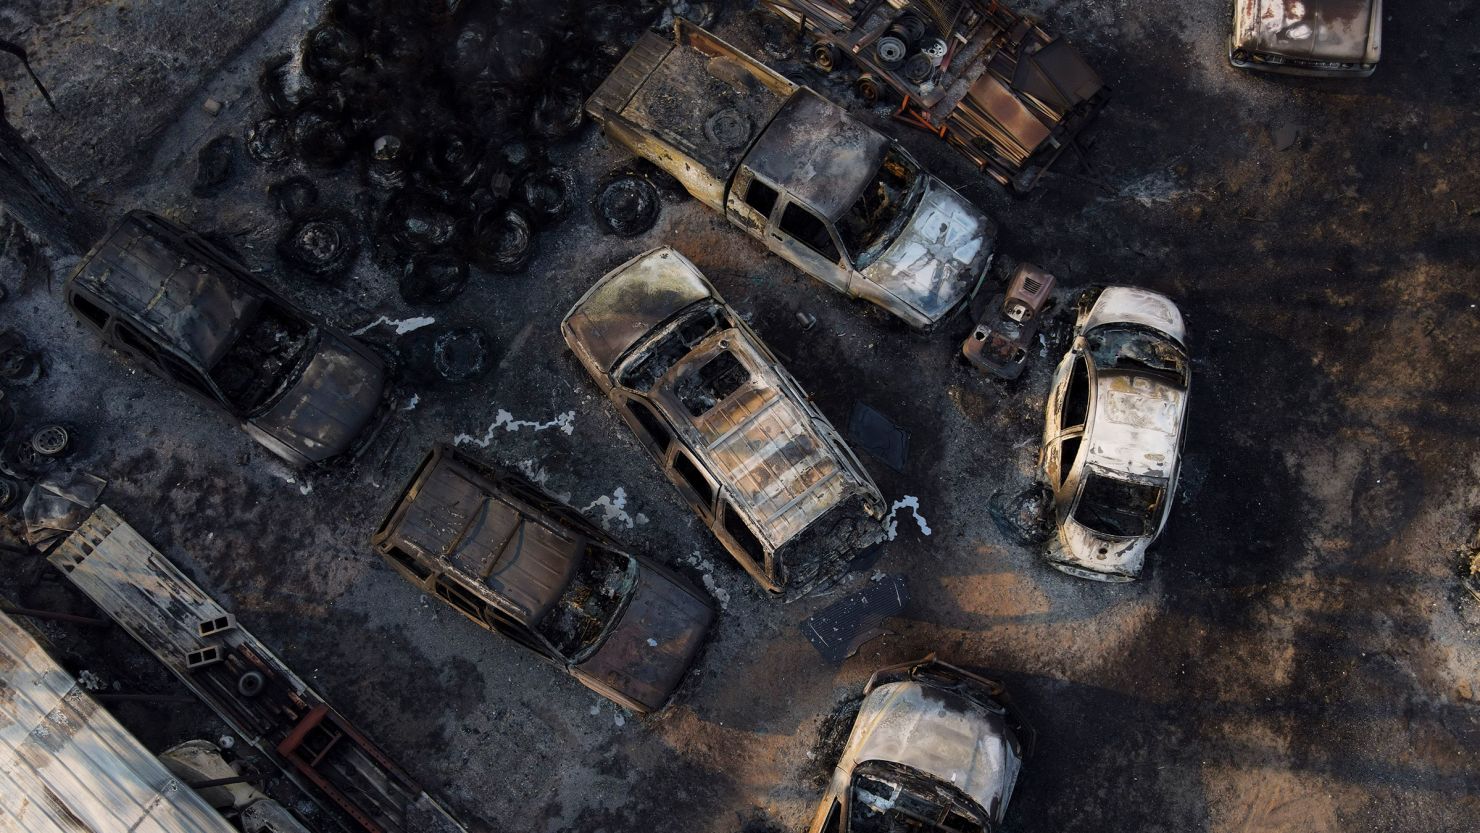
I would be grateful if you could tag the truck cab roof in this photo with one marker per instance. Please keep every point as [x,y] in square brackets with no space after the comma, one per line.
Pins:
[818,152]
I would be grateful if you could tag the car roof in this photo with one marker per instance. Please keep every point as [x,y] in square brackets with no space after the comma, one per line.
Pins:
[937,732]
[819,153]
[1136,425]
[632,299]
[760,439]
[465,517]
[164,279]
[1333,30]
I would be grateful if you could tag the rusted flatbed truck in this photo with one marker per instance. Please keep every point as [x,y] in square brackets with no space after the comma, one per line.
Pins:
[834,197]
[1003,91]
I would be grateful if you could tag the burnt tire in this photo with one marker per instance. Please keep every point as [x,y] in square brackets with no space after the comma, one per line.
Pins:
[869,89]
[503,240]
[824,56]
[627,205]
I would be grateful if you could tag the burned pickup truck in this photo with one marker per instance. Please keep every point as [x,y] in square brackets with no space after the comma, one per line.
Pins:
[1003,91]
[834,197]
[188,313]
[503,553]
[732,429]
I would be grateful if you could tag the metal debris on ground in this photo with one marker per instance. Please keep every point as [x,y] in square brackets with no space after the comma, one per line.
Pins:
[1025,517]
[839,629]
[56,507]
[878,435]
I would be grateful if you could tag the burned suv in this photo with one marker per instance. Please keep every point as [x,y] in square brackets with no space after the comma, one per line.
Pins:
[189,314]
[520,563]
[934,748]
[732,429]
[1112,435]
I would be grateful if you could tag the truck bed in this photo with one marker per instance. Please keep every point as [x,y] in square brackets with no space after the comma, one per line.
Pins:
[693,107]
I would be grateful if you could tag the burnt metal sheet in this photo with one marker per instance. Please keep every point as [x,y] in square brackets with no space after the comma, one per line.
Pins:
[818,152]
[146,595]
[190,300]
[628,303]
[452,514]
[839,629]
[66,765]
[875,433]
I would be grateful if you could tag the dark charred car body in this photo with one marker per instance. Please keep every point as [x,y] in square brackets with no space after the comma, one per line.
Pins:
[934,748]
[822,190]
[1325,38]
[734,432]
[189,314]
[1003,91]
[1113,431]
[500,551]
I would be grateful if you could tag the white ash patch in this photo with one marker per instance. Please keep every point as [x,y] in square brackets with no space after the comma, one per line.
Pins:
[401,326]
[614,510]
[566,422]
[912,503]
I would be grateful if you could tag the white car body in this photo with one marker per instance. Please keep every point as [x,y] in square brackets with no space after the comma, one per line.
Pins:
[1113,431]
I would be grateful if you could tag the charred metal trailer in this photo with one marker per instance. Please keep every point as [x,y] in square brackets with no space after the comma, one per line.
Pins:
[257,695]
[1001,89]
[822,190]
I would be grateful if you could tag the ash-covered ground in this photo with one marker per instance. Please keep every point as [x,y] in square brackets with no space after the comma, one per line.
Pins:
[1300,656]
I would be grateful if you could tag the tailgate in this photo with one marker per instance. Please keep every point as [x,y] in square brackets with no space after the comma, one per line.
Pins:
[628,77]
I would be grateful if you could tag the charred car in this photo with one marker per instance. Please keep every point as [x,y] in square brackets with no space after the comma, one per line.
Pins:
[825,192]
[996,85]
[190,314]
[1330,38]
[734,432]
[500,551]
[1113,432]
[934,748]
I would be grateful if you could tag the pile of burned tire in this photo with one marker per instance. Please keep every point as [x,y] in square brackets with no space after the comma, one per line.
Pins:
[445,113]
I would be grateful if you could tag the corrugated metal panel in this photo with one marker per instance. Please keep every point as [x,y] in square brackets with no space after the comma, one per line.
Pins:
[66,766]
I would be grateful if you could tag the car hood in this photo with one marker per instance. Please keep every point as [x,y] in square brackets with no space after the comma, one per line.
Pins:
[333,400]
[938,733]
[651,646]
[1316,30]
[1076,550]
[1131,305]
[939,256]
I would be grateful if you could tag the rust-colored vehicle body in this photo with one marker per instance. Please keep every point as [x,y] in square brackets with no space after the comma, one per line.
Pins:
[1323,38]
[993,83]
[188,313]
[518,562]
[732,429]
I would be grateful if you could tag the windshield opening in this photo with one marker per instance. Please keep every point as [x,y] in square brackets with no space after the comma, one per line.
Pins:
[886,800]
[1123,347]
[261,362]
[874,221]
[1116,507]
[641,374]
[590,602]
